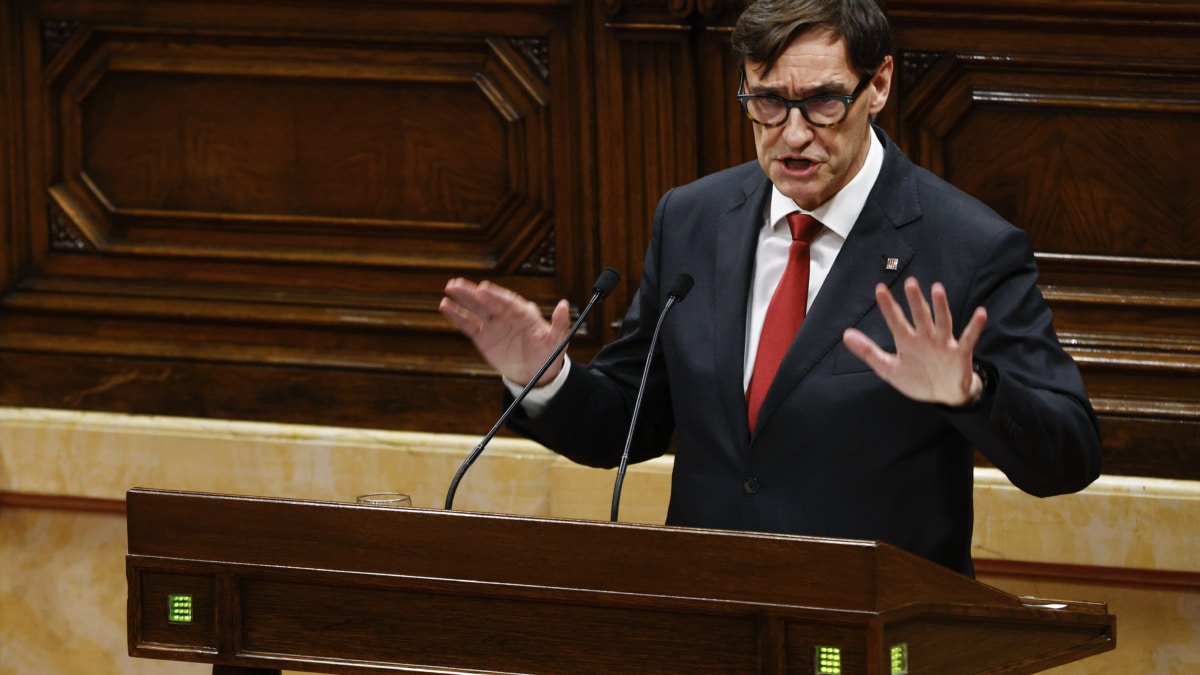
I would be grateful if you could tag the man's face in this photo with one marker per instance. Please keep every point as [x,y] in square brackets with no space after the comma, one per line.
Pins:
[810,164]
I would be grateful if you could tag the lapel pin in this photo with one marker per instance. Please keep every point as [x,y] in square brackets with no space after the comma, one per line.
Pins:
[893,264]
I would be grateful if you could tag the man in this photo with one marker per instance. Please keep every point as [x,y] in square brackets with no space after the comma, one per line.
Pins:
[867,428]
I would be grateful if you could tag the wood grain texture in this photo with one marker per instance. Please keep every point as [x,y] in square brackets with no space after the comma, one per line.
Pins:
[264,198]
[432,591]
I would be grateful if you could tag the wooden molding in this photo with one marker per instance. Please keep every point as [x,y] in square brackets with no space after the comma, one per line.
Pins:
[24,500]
[1125,577]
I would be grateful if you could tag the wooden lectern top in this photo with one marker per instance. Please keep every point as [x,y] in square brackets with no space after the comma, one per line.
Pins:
[342,587]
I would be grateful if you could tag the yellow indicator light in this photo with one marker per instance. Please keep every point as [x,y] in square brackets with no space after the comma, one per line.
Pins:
[828,661]
[179,608]
[899,659]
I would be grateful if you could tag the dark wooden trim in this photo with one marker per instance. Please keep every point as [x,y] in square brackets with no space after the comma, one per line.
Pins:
[1126,577]
[45,502]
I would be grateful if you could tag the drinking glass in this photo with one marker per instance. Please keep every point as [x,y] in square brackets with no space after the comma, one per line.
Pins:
[385,499]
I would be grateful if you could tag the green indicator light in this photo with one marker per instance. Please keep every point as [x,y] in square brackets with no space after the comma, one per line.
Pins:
[899,659]
[828,661]
[179,608]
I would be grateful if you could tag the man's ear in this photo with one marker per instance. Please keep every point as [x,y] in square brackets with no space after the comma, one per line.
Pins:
[881,85]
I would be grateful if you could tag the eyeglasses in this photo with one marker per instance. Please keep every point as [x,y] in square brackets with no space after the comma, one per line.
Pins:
[823,110]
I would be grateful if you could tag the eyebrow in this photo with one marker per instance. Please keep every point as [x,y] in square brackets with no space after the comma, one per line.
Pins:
[836,88]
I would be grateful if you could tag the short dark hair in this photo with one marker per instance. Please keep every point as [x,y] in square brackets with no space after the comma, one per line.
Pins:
[767,27]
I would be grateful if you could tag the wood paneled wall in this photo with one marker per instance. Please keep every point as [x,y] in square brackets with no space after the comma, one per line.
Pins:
[247,209]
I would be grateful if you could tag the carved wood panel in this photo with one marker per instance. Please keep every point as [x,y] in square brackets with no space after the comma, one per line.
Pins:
[1086,135]
[281,194]
[665,93]
[212,149]
[248,209]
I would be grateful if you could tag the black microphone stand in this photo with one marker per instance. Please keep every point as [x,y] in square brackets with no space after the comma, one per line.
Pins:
[683,284]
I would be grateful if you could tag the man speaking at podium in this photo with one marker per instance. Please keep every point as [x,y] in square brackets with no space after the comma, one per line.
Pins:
[856,329]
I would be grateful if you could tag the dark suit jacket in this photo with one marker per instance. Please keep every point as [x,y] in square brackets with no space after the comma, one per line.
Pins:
[837,452]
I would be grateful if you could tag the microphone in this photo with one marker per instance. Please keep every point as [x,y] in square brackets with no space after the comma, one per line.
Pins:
[604,284]
[679,290]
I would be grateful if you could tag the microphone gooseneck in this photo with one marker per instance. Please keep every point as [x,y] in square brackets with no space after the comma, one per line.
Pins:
[679,290]
[604,284]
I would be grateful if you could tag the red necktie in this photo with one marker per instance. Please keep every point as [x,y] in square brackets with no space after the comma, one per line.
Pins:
[784,314]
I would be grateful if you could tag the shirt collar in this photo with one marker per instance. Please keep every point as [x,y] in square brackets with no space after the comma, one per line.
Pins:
[841,211]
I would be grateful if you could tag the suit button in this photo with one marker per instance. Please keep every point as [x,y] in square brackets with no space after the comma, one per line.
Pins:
[750,485]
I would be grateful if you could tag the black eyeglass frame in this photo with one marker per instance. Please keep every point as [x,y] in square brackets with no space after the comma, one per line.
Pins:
[847,99]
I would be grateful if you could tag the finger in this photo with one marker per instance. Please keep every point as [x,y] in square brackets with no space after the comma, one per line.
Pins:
[490,302]
[892,313]
[559,326]
[468,296]
[462,320]
[496,299]
[970,334]
[921,317]
[943,320]
[560,320]
[455,288]
[866,349]
[478,305]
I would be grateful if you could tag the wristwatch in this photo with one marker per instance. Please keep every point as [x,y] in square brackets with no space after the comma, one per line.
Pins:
[988,377]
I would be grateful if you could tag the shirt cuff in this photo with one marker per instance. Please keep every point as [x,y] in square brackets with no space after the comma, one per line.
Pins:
[539,397]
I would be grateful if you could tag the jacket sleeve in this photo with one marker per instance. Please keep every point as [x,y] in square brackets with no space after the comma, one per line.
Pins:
[1036,424]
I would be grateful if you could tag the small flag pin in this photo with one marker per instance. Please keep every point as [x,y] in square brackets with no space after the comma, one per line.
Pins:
[893,264]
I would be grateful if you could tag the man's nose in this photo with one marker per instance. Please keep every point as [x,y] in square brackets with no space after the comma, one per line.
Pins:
[797,130]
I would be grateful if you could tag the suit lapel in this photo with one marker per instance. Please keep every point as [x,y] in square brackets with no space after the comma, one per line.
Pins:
[875,252]
[737,237]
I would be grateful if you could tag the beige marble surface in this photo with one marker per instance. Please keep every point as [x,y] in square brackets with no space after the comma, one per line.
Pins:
[62,587]
[1158,629]
[52,452]
[1141,523]
[62,597]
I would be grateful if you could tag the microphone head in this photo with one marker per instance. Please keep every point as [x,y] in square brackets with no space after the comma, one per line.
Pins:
[606,282]
[679,289]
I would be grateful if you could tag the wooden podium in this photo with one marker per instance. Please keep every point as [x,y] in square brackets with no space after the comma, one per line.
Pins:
[256,585]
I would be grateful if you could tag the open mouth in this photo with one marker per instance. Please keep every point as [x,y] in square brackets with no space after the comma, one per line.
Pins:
[797,164]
